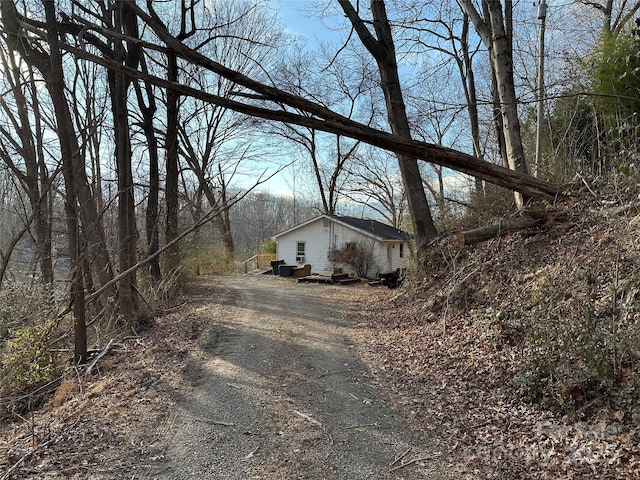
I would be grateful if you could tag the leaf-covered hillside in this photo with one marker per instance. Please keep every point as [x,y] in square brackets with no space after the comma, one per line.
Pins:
[522,354]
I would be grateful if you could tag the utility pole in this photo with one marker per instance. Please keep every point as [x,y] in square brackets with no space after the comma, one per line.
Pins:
[542,16]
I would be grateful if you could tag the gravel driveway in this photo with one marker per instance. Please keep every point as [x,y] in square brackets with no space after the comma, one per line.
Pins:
[278,392]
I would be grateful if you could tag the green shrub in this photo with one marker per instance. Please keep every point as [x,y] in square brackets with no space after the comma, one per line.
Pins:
[27,359]
[27,334]
[21,305]
[268,247]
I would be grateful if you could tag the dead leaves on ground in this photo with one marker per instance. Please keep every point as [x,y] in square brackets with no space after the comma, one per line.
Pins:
[106,425]
[451,348]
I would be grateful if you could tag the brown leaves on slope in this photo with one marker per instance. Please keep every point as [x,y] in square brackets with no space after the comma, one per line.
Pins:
[521,354]
[104,425]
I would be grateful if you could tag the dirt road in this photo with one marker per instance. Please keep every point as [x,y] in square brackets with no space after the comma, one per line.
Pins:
[278,392]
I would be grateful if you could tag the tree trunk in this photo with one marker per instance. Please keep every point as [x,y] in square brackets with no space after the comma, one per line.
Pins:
[470,92]
[119,86]
[494,30]
[43,221]
[56,83]
[172,259]
[152,211]
[77,291]
[313,152]
[224,221]
[383,51]
[502,60]
[503,227]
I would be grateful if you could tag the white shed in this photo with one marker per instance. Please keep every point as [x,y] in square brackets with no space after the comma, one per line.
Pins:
[312,241]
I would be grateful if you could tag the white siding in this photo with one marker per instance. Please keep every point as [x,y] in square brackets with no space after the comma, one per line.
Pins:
[316,238]
[389,255]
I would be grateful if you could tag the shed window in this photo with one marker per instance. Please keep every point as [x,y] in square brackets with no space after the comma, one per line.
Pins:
[300,249]
[401,252]
[350,246]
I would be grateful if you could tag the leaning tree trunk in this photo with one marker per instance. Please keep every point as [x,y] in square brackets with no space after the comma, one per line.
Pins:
[331,122]
[383,50]
[319,117]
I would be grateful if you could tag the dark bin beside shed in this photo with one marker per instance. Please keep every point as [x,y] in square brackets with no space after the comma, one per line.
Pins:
[286,270]
[275,264]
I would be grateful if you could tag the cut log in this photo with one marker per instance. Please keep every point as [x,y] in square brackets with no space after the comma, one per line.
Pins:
[503,227]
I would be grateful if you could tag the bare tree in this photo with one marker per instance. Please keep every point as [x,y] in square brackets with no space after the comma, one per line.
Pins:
[213,141]
[615,13]
[376,184]
[449,36]
[382,48]
[494,27]
[28,145]
[337,85]
[261,215]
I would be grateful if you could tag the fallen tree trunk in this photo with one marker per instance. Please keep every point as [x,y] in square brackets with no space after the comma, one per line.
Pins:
[503,227]
[447,157]
[314,115]
[535,215]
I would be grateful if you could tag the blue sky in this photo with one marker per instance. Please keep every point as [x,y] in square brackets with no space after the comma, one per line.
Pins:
[301,19]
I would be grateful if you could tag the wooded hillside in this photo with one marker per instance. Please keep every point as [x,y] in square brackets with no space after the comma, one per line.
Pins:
[143,143]
[525,347]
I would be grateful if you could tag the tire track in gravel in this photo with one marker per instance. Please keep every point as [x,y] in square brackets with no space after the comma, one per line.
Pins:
[277,392]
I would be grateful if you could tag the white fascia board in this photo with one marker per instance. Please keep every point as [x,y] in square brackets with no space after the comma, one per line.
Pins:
[311,220]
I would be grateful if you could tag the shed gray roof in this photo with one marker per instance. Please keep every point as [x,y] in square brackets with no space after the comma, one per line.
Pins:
[379,229]
[370,227]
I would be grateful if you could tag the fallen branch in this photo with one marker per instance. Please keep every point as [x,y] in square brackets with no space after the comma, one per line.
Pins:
[212,422]
[251,453]
[400,457]
[364,425]
[104,351]
[415,460]
[307,417]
